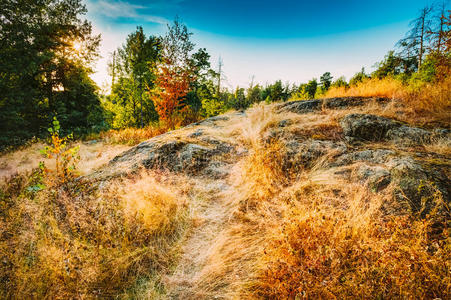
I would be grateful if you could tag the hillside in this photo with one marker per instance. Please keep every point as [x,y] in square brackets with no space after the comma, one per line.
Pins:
[319,198]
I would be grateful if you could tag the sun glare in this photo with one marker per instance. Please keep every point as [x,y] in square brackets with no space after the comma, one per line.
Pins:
[77,46]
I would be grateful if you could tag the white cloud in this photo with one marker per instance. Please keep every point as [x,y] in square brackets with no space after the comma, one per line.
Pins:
[122,9]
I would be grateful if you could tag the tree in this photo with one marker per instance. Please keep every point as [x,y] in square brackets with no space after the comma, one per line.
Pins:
[254,94]
[276,93]
[201,85]
[340,82]
[358,77]
[311,87]
[417,38]
[391,65]
[439,28]
[134,66]
[175,74]
[326,80]
[43,42]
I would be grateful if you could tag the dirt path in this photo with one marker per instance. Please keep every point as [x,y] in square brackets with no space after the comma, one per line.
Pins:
[210,214]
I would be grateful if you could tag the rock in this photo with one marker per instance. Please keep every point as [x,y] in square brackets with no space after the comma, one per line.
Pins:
[305,106]
[408,136]
[301,106]
[209,121]
[364,127]
[375,156]
[416,182]
[196,133]
[219,146]
[441,133]
[345,102]
[173,155]
[377,177]
[178,156]
[285,123]
[335,103]
[306,154]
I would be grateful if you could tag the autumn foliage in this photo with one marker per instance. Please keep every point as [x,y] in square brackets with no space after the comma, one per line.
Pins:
[175,75]
[173,85]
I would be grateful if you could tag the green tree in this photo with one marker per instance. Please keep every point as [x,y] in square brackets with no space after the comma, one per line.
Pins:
[311,87]
[43,44]
[340,82]
[254,94]
[391,65]
[134,68]
[326,81]
[358,77]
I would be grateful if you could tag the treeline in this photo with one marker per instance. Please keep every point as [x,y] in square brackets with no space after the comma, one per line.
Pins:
[147,88]
[47,50]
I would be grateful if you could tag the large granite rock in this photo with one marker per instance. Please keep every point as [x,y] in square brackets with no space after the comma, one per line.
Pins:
[364,127]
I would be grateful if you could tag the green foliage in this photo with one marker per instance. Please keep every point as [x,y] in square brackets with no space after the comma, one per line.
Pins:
[340,82]
[46,52]
[212,107]
[326,81]
[311,87]
[391,65]
[133,71]
[358,77]
[65,158]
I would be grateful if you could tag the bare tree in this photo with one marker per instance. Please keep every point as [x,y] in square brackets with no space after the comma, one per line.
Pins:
[440,28]
[220,64]
[417,37]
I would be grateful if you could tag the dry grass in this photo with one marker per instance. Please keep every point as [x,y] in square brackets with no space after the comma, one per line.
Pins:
[309,234]
[440,146]
[131,136]
[324,251]
[431,102]
[82,242]
[24,160]
[292,232]
[386,87]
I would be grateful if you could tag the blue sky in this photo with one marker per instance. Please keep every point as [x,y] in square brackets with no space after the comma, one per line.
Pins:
[266,40]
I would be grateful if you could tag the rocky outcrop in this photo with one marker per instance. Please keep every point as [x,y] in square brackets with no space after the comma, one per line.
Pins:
[371,128]
[305,106]
[408,136]
[393,161]
[175,156]
[363,127]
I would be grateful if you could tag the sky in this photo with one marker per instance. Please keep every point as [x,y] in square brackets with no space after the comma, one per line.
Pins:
[263,41]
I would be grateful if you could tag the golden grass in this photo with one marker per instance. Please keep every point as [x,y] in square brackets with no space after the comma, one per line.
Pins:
[440,146]
[431,102]
[386,87]
[83,242]
[291,233]
[92,156]
[131,136]
[323,251]
[310,234]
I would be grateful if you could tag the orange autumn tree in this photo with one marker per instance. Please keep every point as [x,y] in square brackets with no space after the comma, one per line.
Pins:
[174,75]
